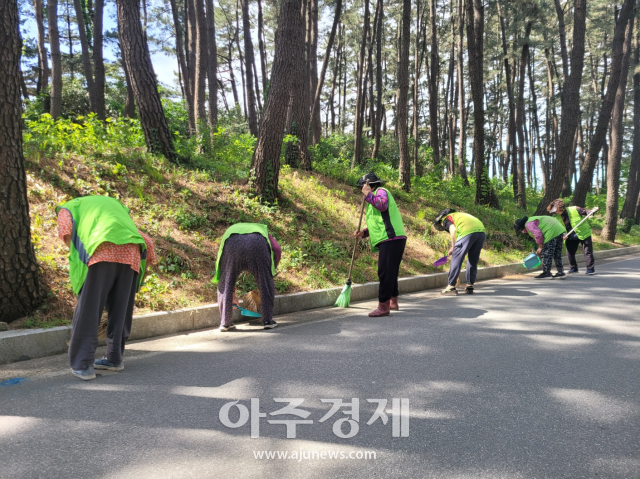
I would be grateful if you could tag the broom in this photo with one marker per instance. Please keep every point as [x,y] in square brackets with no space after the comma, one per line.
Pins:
[345,294]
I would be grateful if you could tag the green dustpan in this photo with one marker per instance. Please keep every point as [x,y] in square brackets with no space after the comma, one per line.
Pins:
[246,312]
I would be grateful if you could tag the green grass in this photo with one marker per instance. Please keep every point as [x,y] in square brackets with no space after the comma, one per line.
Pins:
[187,207]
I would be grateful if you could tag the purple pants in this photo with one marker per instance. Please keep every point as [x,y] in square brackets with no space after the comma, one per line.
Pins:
[248,252]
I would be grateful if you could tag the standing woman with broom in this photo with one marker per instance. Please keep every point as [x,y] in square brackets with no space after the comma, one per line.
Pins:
[386,235]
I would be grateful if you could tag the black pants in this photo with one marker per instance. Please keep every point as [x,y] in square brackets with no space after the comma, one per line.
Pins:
[389,267]
[587,247]
[108,284]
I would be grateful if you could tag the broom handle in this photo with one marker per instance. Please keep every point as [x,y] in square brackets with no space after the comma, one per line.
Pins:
[583,220]
[355,241]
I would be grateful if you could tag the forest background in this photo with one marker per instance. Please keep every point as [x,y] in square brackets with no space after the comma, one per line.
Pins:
[270,110]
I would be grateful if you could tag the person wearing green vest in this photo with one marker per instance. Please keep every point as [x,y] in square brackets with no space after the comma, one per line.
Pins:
[386,235]
[548,233]
[246,247]
[571,217]
[467,238]
[108,257]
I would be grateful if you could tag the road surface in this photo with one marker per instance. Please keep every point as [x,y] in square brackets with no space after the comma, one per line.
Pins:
[524,379]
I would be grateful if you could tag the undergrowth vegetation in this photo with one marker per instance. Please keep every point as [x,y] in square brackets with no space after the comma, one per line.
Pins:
[187,207]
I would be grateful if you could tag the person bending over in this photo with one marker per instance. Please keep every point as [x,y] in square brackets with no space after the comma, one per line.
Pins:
[108,257]
[246,247]
[467,238]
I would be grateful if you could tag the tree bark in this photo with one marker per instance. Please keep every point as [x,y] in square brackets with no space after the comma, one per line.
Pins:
[511,131]
[617,132]
[263,55]
[416,87]
[599,136]
[143,80]
[357,127]
[316,123]
[21,291]
[536,125]
[182,62]
[403,93]
[633,185]
[570,111]
[379,84]
[289,48]
[56,59]
[315,109]
[86,58]
[191,46]
[248,57]
[524,57]
[462,145]
[433,84]
[475,41]
[42,49]
[202,48]
[212,66]
[98,60]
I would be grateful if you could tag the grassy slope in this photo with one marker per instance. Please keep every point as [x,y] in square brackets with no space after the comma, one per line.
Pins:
[187,210]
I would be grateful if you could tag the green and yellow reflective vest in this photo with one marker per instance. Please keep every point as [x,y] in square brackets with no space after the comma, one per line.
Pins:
[243,229]
[584,230]
[96,220]
[549,226]
[466,224]
[384,225]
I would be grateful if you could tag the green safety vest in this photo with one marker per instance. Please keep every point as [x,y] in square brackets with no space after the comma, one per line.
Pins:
[466,224]
[549,226]
[584,230]
[244,229]
[97,220]
[384,225]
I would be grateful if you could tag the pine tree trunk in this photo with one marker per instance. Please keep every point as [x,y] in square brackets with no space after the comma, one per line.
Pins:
[536,125]
[190,52]
[263,55]
[86,57]
[315,109]
[20,288]
[202,49]
[570,110]
[248,57]
[633,185]
[379,85]
[182,63]
[403,94]
[289,48]
[599,137]
[475,41]
[511,132]
[360,93]
[212,66]
[520,119]
[56,59]
[98,60]
[42,49]
[617,132]
[135,52]
[316,123]
[415,90]
[462,145]
[433,85]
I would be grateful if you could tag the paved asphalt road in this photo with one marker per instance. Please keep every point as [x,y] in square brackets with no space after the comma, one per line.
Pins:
[524,379]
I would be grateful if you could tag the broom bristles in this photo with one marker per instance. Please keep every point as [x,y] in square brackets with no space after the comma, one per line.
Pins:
[345,297]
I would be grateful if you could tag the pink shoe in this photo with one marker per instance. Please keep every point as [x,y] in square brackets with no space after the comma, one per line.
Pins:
[382,310]
[393,305]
